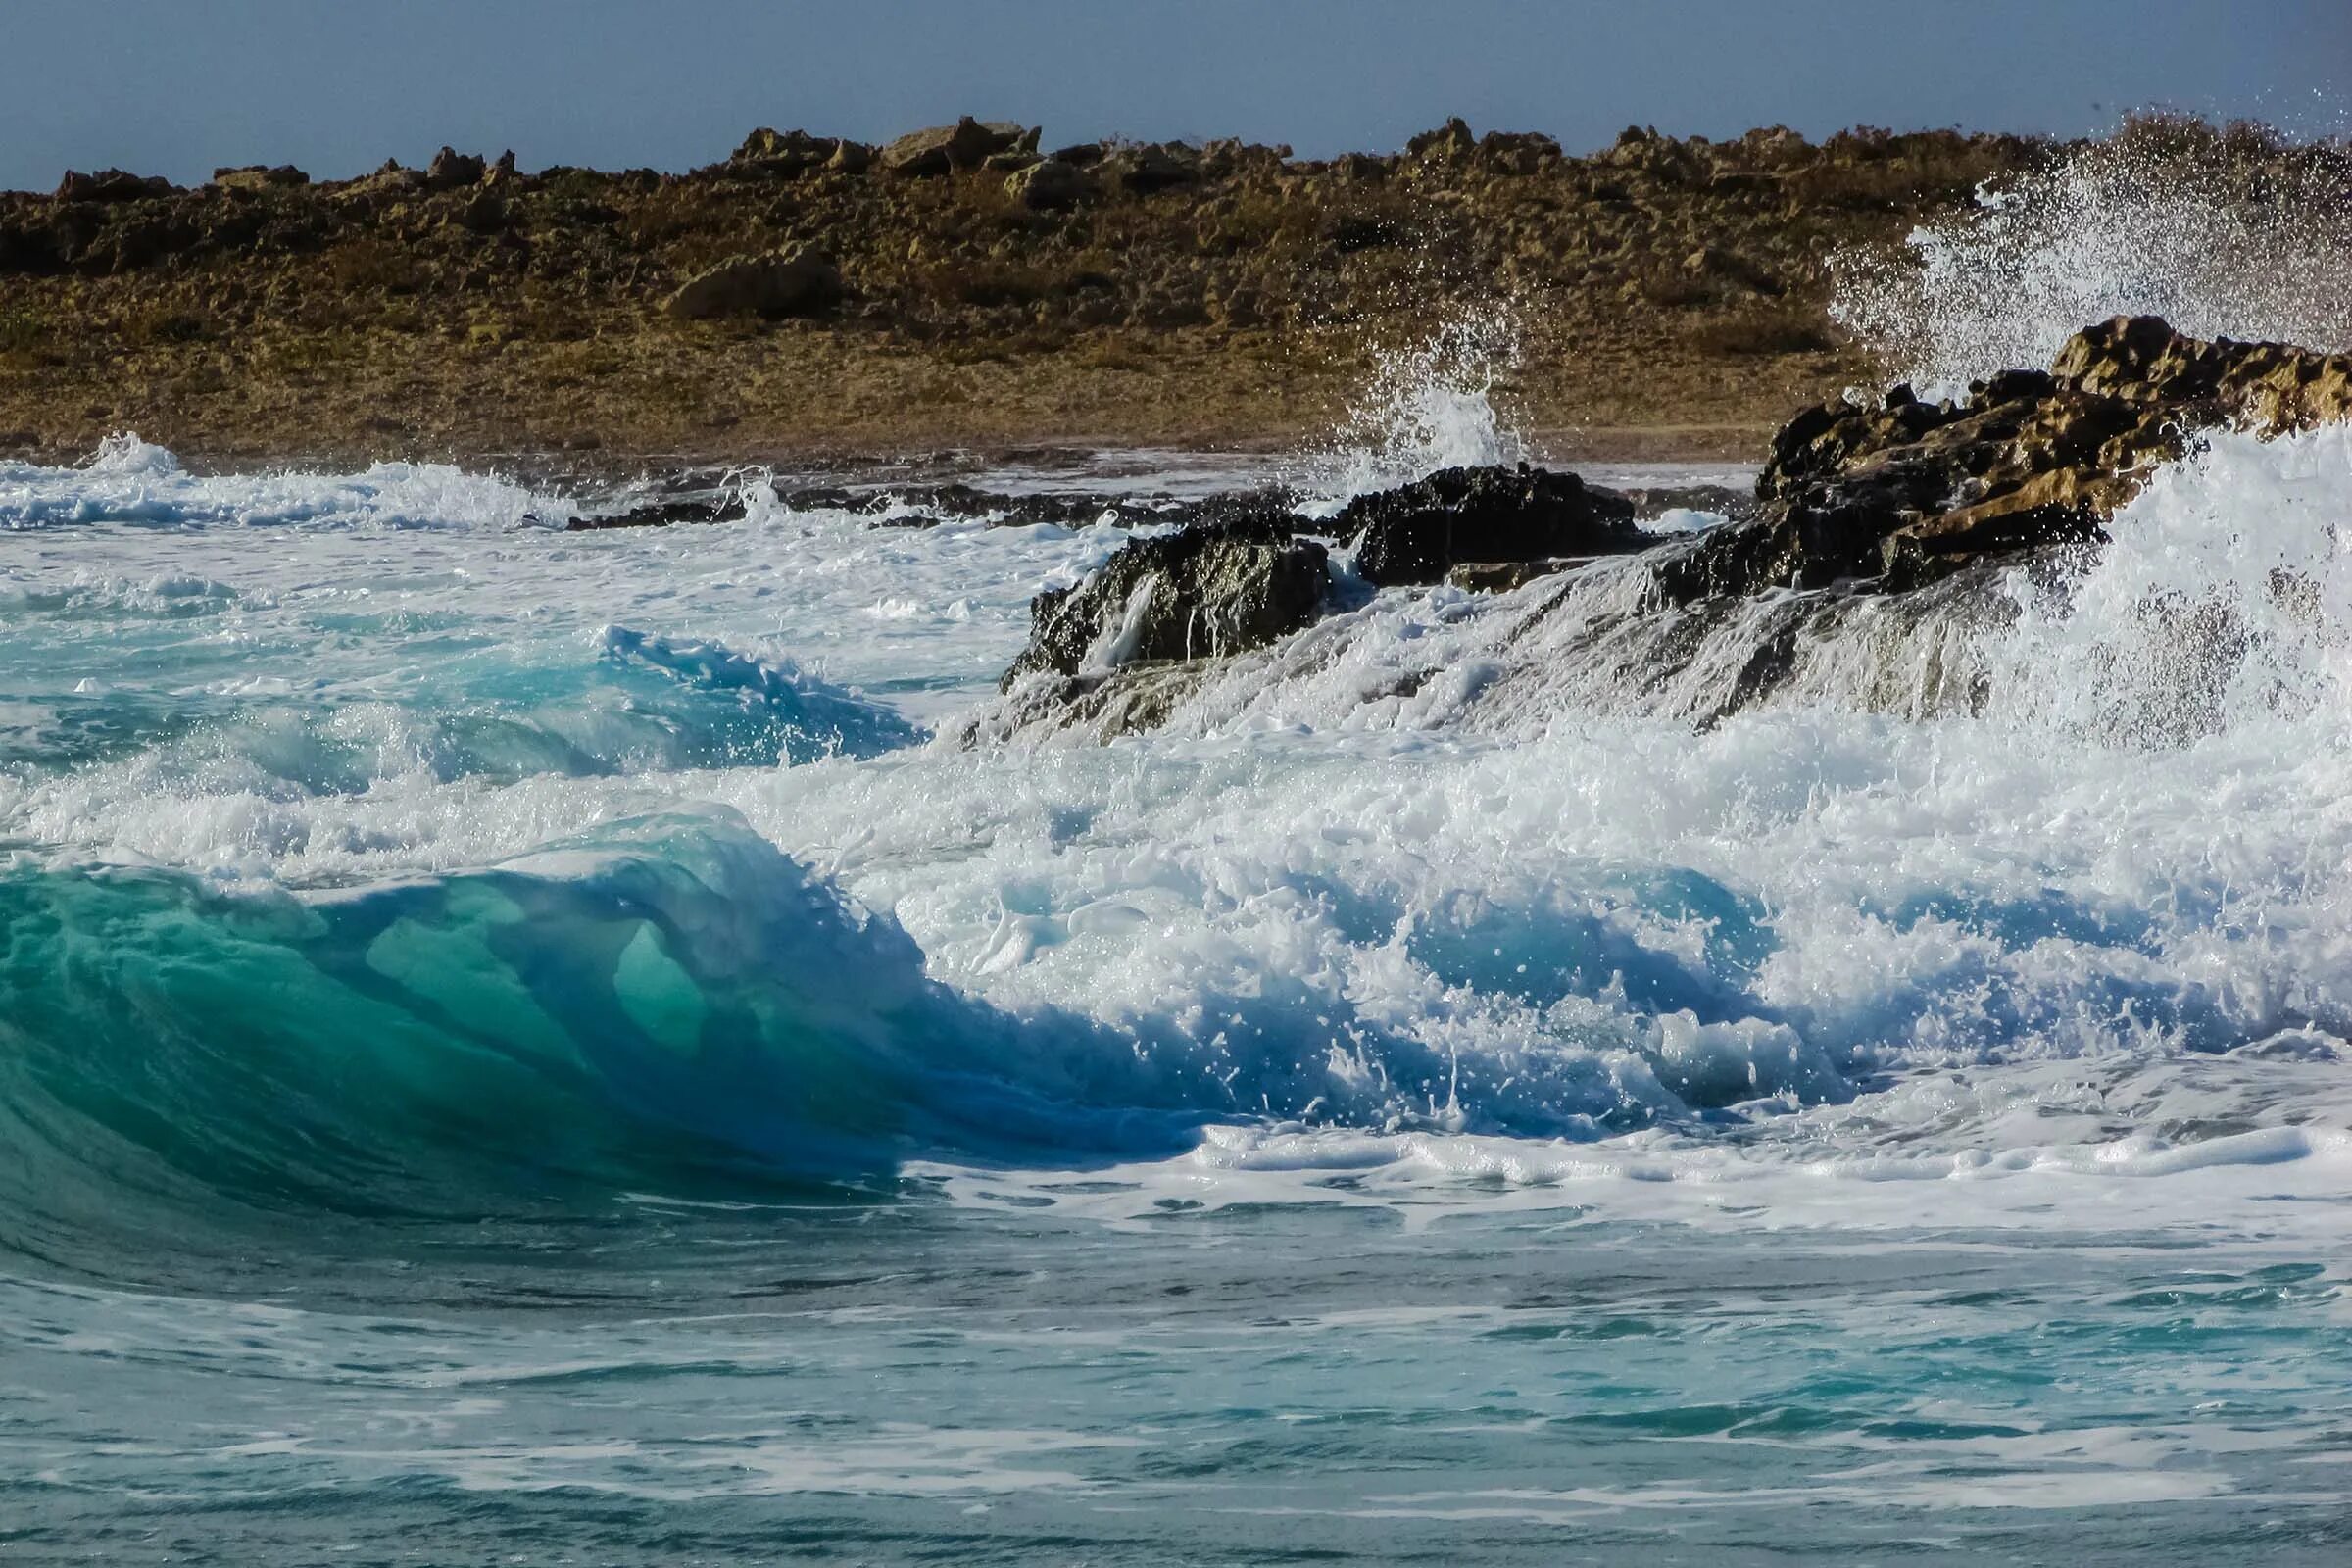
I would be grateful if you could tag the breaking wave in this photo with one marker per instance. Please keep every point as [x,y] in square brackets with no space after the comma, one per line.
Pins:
[134,482]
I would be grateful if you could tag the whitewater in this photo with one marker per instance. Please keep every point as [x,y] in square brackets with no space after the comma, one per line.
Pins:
[560,1046]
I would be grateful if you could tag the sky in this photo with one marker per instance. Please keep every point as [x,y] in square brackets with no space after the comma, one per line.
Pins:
[336,86]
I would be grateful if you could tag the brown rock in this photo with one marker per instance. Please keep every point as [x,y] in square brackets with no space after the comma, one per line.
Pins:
[1517,152]
[1051,186]
[486,213]
[1905,492]
[1450,142]
[792,153]
[256,176]
[782,283]
[966,144]
[1146,166]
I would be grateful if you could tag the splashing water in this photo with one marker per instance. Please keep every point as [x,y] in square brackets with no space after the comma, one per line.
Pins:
[131,480]
[2181,226]
[425,1005]
[1427,406]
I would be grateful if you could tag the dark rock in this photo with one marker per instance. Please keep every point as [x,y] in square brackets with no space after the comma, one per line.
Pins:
[664,513]
[451,168]
[928,505]
[1906,492]
[781,283]
[1417,532]
[1205,591]
[111,185]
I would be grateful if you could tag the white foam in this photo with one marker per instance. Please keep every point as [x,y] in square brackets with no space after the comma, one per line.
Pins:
[129,480]
[1433,927]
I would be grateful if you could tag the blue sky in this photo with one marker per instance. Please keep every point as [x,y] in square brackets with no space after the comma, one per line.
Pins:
[174,88]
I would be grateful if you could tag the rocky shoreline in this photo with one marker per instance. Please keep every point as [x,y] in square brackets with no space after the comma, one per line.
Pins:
[1879,502]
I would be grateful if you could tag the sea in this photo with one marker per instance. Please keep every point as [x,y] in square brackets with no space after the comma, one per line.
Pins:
[541,1047]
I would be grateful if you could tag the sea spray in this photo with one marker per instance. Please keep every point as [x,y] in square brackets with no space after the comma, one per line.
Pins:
[2223,235]
[1427,405]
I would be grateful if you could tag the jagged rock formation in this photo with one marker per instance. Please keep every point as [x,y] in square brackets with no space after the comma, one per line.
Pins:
[1206,591]
[1419,532]
[1858,504]
[1113,652]
[1906,492]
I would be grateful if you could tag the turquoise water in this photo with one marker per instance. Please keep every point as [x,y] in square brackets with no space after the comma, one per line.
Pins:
[519,1047]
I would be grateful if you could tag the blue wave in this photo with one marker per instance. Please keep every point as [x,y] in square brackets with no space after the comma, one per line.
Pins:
[813,714]
[667,1003]
[671,1002]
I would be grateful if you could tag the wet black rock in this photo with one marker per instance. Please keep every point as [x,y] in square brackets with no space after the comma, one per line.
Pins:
[1419,532]
[664,512]
[1203,592]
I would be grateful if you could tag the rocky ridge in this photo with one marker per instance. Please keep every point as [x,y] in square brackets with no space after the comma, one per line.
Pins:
[970,284]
